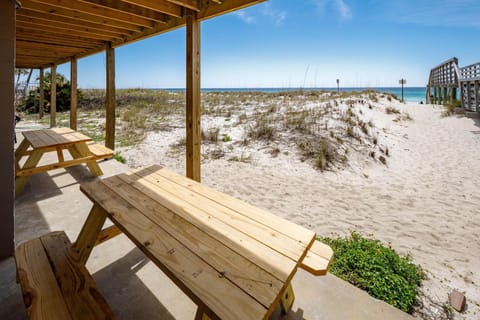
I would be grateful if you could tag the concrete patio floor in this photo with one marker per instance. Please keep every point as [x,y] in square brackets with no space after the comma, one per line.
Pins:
[134,287]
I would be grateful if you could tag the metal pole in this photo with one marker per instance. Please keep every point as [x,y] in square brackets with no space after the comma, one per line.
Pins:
[338,86]
[402,82]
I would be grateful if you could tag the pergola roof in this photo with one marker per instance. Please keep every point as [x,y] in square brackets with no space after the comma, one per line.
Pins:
[51,32]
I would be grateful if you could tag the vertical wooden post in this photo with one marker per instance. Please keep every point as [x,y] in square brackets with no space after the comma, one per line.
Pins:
[469,97]
[53,96]
[477,103]
[41,99]
[193,97]
[73,93]
[7,130]
[110,99]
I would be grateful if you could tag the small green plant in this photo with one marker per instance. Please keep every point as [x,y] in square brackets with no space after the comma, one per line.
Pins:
[226,138]
[377,269]
[117,156]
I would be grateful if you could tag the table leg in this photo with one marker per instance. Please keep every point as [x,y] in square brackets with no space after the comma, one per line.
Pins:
[286,301]
[200,315]
[21,149]
[80,150]
[90,232]
[31,162]
[60,154]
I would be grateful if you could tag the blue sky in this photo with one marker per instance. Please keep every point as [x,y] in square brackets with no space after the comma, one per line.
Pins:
[305,43]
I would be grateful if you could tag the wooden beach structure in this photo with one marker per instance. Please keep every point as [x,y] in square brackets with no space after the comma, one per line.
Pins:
[470,86]
[234,261]
[43,34]
[447,78]
[443,82]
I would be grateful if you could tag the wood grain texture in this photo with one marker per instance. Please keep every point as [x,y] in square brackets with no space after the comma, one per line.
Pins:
[318,259]
[36,279]
[55,286]
[205,285]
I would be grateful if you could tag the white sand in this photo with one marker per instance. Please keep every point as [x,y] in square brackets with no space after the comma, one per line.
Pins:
[425,202]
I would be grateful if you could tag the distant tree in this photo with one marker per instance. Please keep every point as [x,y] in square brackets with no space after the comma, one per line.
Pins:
[63,95]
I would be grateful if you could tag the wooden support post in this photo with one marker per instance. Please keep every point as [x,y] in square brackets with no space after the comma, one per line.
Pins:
[53,96]
[41,101]
[427,96]
[7,129]
[445,95]
[434,95]
[73,94]
[469,97]
[193,97]
[287,299]
[89,234]
[110,99]
[477,103]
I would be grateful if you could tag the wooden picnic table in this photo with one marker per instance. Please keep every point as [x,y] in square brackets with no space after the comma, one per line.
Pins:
[37,142]
[235,261]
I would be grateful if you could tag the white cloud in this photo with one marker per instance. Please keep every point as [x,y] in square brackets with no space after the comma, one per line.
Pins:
[253,15]
[248,19]
[342,9]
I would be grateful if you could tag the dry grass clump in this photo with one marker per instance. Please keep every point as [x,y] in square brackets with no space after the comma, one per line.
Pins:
[392,110]
[210,135]
[324,152]
[262,129]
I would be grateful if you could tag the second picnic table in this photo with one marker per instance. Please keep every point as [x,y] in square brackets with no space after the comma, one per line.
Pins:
[234,260]
[37,142]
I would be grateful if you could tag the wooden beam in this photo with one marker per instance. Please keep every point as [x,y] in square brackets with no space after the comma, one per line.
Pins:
[33,45]
[40,99]
[73,94]
[110,99]
[160,6]
[53,96]
[68,22]
[78,15]
[129,8]
[193,97]
[190,4]
[99,11]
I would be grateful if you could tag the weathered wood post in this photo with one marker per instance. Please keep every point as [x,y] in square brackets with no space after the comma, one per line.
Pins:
[110,99]
[73,94]
[41,98]
[53,96]
[193,97]
[402,82]
[7,130]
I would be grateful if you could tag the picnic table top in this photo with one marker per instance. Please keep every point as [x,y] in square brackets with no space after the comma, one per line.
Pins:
[45,138]
[234,258]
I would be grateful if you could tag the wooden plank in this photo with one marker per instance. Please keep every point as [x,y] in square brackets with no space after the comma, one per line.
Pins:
[36,139]
[21,150]
[80,293]
[26,172]
[59,30]
[125,7]
[99,11]
[107,234]
[78,15]
[193,111]
[169,193]
[56,35]
[245,272]
[99,150]
[69,23]
[33,159]
[190,4]
[288,297]
[203,284]
[92,164]
[160,6]
[53,96]
[110,99]
[318,259]
[73,93]
[36,278]
[290,229]
[89,234]
[34,45]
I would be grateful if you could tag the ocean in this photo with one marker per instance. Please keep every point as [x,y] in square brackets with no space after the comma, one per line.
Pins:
[411,94]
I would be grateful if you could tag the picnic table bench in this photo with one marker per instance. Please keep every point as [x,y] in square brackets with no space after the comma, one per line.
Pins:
[37,142]
[235,261]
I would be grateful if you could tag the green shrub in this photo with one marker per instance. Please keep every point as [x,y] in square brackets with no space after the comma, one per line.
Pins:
[117,156]
[377,269]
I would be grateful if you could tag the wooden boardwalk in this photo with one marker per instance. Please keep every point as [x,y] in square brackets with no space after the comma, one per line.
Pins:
[446,78]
